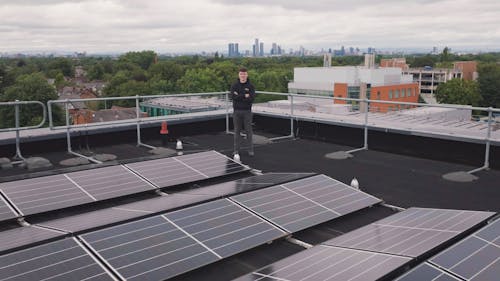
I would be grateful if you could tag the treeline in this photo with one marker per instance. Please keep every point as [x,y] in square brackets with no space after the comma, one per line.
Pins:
[146,73]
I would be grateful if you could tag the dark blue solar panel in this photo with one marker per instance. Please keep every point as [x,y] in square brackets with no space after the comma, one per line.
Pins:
[476,257]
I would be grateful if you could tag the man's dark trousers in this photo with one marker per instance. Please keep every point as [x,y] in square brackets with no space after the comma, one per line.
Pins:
[242,118]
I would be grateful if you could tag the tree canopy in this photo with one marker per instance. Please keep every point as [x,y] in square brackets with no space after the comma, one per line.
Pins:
[459,91]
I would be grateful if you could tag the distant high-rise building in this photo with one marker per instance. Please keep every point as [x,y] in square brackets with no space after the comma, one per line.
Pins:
[256,50]
[230,51]
[233,50]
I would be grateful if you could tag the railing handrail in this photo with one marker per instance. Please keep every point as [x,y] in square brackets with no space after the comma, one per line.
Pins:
[17,103]
[131,120]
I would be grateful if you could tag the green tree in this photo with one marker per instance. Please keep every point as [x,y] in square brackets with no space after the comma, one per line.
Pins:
[143,59]
[489,84]
[31,87]
[63,65]
[201,81]
[59,80]
[459,91]
[96,72]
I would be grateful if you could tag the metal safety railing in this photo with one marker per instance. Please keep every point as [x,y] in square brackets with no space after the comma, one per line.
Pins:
[18,128]
[486,140]
[293,115]
[138,120]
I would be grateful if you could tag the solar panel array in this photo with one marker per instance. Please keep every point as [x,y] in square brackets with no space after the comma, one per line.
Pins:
[378,250]
[412,232]
[38,195]
[187,168]
[300,204]
[475,258]
[60,260]
[167,245]
[330,263]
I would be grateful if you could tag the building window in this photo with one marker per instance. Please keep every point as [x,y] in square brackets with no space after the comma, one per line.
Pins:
[390,94]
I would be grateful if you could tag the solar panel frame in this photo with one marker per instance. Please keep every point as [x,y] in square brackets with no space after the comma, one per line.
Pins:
[408,233]
[331,263]
[64,259]
[46,192]
[6,211]
[110,182]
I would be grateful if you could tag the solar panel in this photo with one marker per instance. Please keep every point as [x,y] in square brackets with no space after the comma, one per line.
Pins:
[120,213]
[224,227]
[109,182]
[330,263]
[171,171]
[427,271]
[285,208]
[24,236]
[148,249]
[59,260]
[474,258]
[412,232]
[306,202]
[332,194]
[212,164]
[247,184]
[37,195]
[6,212]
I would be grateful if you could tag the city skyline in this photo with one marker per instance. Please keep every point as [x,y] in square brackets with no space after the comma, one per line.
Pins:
[113,26]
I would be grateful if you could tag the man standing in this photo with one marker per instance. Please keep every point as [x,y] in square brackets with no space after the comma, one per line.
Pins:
[242,93]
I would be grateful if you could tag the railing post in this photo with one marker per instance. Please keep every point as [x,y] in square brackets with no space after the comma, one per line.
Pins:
[138,120]
[227,112]
[488,141]
[367,101]
[68,137]
[291,115]
[17,124]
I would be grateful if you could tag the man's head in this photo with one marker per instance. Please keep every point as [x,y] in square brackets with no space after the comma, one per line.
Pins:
[243,75]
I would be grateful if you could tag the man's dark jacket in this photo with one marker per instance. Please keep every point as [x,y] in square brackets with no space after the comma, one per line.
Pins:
[237,94]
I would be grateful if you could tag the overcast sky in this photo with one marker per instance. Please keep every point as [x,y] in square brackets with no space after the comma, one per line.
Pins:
[209,25]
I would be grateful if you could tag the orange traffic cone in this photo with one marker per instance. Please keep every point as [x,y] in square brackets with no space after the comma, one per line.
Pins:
[163,133]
